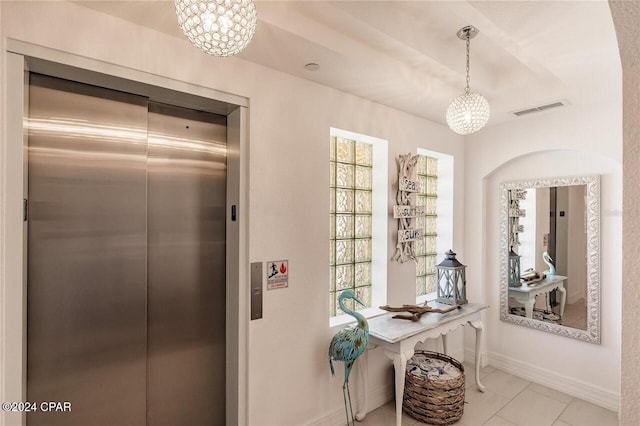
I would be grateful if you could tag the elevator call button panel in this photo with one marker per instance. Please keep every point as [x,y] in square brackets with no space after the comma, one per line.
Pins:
[256,290]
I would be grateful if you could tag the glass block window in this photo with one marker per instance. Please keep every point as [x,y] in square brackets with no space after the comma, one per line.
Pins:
[351,166]
[427,176]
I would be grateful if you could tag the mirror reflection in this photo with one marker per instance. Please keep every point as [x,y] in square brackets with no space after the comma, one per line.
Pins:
[548,255]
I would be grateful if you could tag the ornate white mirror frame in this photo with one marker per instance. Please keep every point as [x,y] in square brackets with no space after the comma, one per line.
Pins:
[592,182]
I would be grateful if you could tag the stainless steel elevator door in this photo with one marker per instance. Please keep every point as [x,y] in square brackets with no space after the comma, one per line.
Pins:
[86,309]
[126,259]
[186,282]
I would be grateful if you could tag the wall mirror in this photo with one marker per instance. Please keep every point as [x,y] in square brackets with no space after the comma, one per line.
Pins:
[550,255]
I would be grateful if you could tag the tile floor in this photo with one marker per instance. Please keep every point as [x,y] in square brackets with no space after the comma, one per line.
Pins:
[575,315]
[508,401]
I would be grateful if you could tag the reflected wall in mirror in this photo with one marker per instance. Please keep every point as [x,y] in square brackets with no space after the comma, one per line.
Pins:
[550,255]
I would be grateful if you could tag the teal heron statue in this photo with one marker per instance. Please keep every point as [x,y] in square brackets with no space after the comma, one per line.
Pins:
[549,261]
[346,346]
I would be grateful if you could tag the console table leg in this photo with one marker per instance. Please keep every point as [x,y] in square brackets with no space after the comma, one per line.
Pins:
[400,365]
[528,308]
[563,300]
[444,343]
[478,326]
[364,370]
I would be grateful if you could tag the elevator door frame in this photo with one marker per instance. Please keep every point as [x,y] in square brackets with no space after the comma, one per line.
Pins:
[20,58]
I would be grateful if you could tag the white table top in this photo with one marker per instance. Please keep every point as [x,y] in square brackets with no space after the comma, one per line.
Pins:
[549,280]
[393,330]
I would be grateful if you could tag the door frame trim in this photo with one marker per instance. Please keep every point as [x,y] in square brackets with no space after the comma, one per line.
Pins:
[18,58]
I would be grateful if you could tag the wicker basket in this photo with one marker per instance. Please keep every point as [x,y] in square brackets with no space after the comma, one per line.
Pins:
[433,400]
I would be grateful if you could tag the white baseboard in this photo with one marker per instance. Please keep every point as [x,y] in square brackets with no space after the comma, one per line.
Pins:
[470,357]
[377,398]
[554,380]
[458,354]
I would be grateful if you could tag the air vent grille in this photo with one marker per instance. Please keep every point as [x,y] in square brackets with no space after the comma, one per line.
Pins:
[540,108]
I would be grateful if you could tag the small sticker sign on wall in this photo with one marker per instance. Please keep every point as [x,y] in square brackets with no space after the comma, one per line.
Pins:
[277,274]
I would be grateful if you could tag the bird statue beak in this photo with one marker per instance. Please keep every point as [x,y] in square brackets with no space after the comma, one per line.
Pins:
[358,300]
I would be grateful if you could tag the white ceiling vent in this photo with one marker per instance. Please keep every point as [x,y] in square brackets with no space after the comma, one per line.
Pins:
[539,108]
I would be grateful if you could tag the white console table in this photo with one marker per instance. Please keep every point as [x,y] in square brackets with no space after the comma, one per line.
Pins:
[526,294]
[398,338]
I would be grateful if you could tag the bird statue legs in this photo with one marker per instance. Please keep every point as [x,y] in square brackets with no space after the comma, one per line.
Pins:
[347,394]
[347,408]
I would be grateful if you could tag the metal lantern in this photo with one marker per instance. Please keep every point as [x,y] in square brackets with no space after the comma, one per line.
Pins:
[451,281]
[514,269]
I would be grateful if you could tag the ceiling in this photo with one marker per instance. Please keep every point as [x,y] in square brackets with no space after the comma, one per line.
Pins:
[406,55]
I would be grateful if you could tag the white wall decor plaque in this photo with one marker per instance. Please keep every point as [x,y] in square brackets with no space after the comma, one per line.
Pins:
[407,235]
[405,209]
[408,185]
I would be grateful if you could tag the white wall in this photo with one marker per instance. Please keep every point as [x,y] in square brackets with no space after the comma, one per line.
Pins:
[565,142]
[626,15]
[289,379]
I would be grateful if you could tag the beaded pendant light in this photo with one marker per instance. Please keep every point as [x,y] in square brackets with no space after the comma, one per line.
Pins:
[470,111]
[217,27]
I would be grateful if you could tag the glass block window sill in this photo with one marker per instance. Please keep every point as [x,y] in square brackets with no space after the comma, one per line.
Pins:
[429,297]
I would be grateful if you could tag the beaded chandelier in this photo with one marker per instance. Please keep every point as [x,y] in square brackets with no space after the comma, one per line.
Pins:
[218,27]
[470,111]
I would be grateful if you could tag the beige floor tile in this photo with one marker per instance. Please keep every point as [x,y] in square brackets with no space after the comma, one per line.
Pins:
[486,370]
[583,413]
[470,374]
[481,406]
[537,404]
[377,418]
[575,315]
[551,393]
[458,423]
[385,416]
[531,408]
[469,368]
[504,384]
[497,421]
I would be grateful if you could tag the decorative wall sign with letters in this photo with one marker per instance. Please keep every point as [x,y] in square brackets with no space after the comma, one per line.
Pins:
[408,211]
[405,210]
[515,213]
